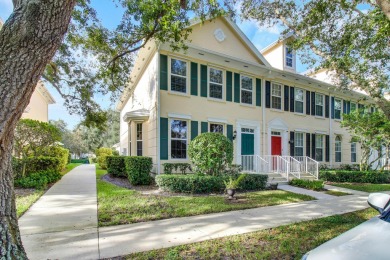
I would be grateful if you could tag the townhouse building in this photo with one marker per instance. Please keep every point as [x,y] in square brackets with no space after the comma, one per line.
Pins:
[223,84]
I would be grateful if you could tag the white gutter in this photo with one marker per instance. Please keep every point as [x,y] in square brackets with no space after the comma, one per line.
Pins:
[158,111]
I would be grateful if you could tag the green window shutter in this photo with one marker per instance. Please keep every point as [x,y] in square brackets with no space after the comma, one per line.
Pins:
[229,132]
[229,86]
[258,92]
[163,138]
[203,80]
[194,78]
[236,87]
[204,127]
[194,129]
[163,72]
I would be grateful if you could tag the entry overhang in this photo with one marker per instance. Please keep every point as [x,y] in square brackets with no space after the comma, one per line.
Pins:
[140,114]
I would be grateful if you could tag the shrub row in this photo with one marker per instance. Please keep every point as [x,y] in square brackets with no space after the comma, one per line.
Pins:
[355,176]
[85,161]
[58,152]
[200,183]
[308,184]
[38,180]
[36,164]
[135,168]
[182,168]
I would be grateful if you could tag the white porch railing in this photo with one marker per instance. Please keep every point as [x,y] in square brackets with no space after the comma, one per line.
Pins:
[283,165]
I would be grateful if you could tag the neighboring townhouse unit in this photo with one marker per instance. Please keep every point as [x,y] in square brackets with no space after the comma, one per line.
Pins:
[38,108]
[278,120]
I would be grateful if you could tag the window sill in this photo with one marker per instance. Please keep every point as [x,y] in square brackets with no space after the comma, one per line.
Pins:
[299,114]
[277,110]
[247,105]
[320,117]
[216,100]
[179,94]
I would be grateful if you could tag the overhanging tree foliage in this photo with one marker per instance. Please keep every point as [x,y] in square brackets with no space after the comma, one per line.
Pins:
[372,131]
[90,59]
[346,40]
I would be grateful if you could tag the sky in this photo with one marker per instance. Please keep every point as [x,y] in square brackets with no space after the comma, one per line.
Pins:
[110,17]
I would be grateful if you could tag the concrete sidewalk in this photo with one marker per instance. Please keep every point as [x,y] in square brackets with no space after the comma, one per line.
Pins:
[315,194]
[62,224]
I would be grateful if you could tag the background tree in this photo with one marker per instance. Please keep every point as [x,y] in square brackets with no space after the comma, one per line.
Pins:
[345,40]
[29,40]
[372,131]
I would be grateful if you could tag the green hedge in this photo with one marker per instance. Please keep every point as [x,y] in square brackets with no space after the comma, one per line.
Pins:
[308,184]
[116,166]
[200,183]
[355,176]
[59,152]
[38,180]
[138,169]
[85,161]
[36,164]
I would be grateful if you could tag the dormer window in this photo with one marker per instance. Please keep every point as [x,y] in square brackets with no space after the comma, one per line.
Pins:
[289,57]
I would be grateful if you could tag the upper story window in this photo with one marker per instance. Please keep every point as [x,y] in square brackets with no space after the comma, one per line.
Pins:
[216,128]
[246,90]
[337,148]
[319,148]
[216,83]
[179,139]
[319,101]
[298,144]
[276,96]
[178,75]
[298,100]
[337,108]
[289,57]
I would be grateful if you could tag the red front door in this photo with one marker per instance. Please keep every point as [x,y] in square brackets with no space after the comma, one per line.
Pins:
[276,145]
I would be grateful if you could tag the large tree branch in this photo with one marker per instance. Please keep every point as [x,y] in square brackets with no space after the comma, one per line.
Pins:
[384,5]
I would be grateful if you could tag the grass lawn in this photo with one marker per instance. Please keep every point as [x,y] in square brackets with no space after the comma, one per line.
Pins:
[367,187]
[285,242]
[336,193]
[25,198]
[123,206]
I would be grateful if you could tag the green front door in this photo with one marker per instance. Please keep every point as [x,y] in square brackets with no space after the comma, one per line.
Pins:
[247,144]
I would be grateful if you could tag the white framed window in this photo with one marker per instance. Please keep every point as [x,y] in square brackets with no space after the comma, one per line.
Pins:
[178,69]
[247,130]
[246,90]
[337,149]
[298,100]
[289,57]
[179,139]
[215,83]
[276,96]
[353,107]
[298,144]
[353,152]
[139,139]
[276,133]
[319,156]
[319,102]
[337,108]
[216,128]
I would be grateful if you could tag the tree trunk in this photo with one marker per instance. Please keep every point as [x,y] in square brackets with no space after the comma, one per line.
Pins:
[28,41]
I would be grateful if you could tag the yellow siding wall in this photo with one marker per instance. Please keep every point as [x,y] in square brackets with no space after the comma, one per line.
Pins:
[37,109]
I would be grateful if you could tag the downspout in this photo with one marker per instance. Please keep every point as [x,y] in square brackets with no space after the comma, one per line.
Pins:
[330,131]
[158,111]
[263,119]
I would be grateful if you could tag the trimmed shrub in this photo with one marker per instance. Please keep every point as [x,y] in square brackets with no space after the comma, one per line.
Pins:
[59,152]
[116,166]
[191,183]
[308,184]
[102,154]
[201,183]
[350,167]
[85,161]
[38,180]
[138,169]
[211,153]
[35,164]
[178,167]
[253,182]
[355,176]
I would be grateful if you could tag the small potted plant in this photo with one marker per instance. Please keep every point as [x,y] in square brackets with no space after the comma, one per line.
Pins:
[232,185]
